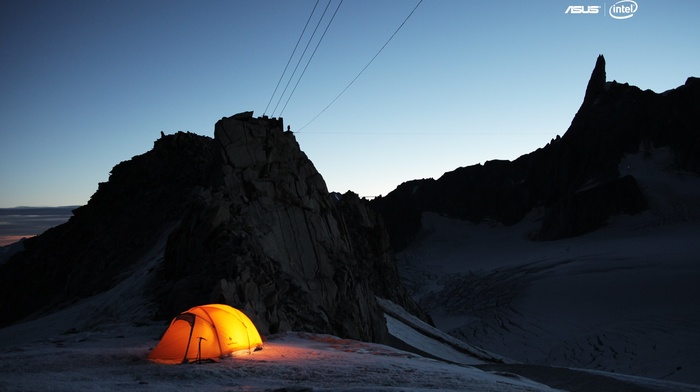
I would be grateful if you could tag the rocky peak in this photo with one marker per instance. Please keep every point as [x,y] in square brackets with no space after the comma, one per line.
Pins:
[272,241]
[574,181]
[250,222]
[596,84]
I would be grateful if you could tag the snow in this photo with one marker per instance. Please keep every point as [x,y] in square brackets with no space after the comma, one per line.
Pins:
[622,299]
[101,344]
[430,341]
[430,346]
[115,360]
[531,316]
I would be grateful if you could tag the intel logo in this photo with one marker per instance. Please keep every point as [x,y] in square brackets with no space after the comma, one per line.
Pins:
[623,9]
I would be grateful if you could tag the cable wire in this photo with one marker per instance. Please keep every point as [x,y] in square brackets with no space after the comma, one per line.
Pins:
[363,69]
[291,56]
[302,57]
[310,58]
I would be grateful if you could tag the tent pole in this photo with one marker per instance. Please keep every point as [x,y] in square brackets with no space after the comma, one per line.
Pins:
[199,350]
[190,318]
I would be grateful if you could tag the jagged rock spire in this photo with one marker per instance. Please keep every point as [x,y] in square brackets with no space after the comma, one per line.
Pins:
[596,84]
[576,179]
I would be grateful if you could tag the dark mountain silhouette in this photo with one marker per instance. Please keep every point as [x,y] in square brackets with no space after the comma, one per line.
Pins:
[575,178]
[126,215]
[248,222]
[245,218]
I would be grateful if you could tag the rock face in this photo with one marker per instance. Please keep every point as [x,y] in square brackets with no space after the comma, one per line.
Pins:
[255,228]
[271,241]
[574,179]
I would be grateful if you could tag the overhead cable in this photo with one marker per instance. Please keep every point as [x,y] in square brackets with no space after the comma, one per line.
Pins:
[302,56]
[311,57]
[291,56]
[363,69]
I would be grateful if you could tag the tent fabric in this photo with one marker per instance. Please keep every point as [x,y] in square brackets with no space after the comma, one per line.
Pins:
[206,332]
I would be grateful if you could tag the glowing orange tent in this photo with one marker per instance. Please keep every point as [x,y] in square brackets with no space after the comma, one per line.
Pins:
[206,332]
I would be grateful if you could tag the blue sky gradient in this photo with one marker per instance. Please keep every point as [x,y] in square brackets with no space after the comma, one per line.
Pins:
[88,84]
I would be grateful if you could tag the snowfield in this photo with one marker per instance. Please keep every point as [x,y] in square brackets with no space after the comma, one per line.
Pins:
[115,360]
[112,357]
[101,343]
[623,299]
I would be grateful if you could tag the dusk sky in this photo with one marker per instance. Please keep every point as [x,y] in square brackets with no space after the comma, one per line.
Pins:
[88,84]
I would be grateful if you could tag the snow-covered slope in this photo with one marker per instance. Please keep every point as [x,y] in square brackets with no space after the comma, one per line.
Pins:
[101,343]
[114,359]
[623,299]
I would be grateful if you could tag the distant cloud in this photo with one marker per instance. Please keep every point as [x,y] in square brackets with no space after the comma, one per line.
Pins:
[11,239]
[25,222]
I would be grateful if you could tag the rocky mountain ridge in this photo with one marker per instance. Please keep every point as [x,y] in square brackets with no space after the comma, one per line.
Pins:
[574,180]
[250,223]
